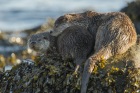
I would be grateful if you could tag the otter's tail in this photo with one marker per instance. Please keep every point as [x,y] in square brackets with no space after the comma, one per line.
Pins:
[89,66]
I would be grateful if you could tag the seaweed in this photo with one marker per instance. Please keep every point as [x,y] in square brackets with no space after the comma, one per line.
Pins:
[50,74]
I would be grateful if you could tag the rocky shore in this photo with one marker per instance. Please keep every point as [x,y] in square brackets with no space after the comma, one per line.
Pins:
[50,74]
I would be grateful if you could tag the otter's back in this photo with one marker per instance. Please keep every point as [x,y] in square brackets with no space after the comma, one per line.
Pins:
[75,42]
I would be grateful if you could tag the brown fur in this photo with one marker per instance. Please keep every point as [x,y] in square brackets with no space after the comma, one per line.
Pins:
[40,42]
[113,33]
[75,42]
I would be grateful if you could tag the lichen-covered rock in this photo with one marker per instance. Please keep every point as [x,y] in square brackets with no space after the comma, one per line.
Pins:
[50,74]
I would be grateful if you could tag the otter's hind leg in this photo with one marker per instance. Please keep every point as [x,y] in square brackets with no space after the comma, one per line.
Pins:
[110,45]
[89,66]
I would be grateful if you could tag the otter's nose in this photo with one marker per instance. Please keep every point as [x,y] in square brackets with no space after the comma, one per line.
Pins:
[33,43]
[51,31]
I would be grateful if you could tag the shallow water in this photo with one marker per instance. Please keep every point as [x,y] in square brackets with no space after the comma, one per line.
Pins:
[16,15]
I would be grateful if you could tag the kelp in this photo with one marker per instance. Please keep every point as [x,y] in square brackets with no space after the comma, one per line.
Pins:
[50,74]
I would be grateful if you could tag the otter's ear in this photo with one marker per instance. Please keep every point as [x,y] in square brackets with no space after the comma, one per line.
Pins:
[67,17]
[90,13]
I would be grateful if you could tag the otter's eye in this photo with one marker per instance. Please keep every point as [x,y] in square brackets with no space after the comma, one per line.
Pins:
[51,31]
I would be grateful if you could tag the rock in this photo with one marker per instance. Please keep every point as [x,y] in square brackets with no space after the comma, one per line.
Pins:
[132,10]
[119,74]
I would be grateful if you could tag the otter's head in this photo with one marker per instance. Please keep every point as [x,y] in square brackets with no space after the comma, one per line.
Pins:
[39,42]
[66,21]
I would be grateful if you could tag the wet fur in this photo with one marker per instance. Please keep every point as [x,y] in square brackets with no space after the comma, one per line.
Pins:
[75,43]
[113,33]
[37,42]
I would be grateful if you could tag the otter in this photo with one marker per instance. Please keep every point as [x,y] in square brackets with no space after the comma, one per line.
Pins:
[39,43]
[75,43]
[113,34]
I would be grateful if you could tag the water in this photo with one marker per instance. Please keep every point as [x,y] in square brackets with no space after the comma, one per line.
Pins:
[16,15]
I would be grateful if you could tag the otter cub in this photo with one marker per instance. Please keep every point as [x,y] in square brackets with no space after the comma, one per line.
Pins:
[75,42]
